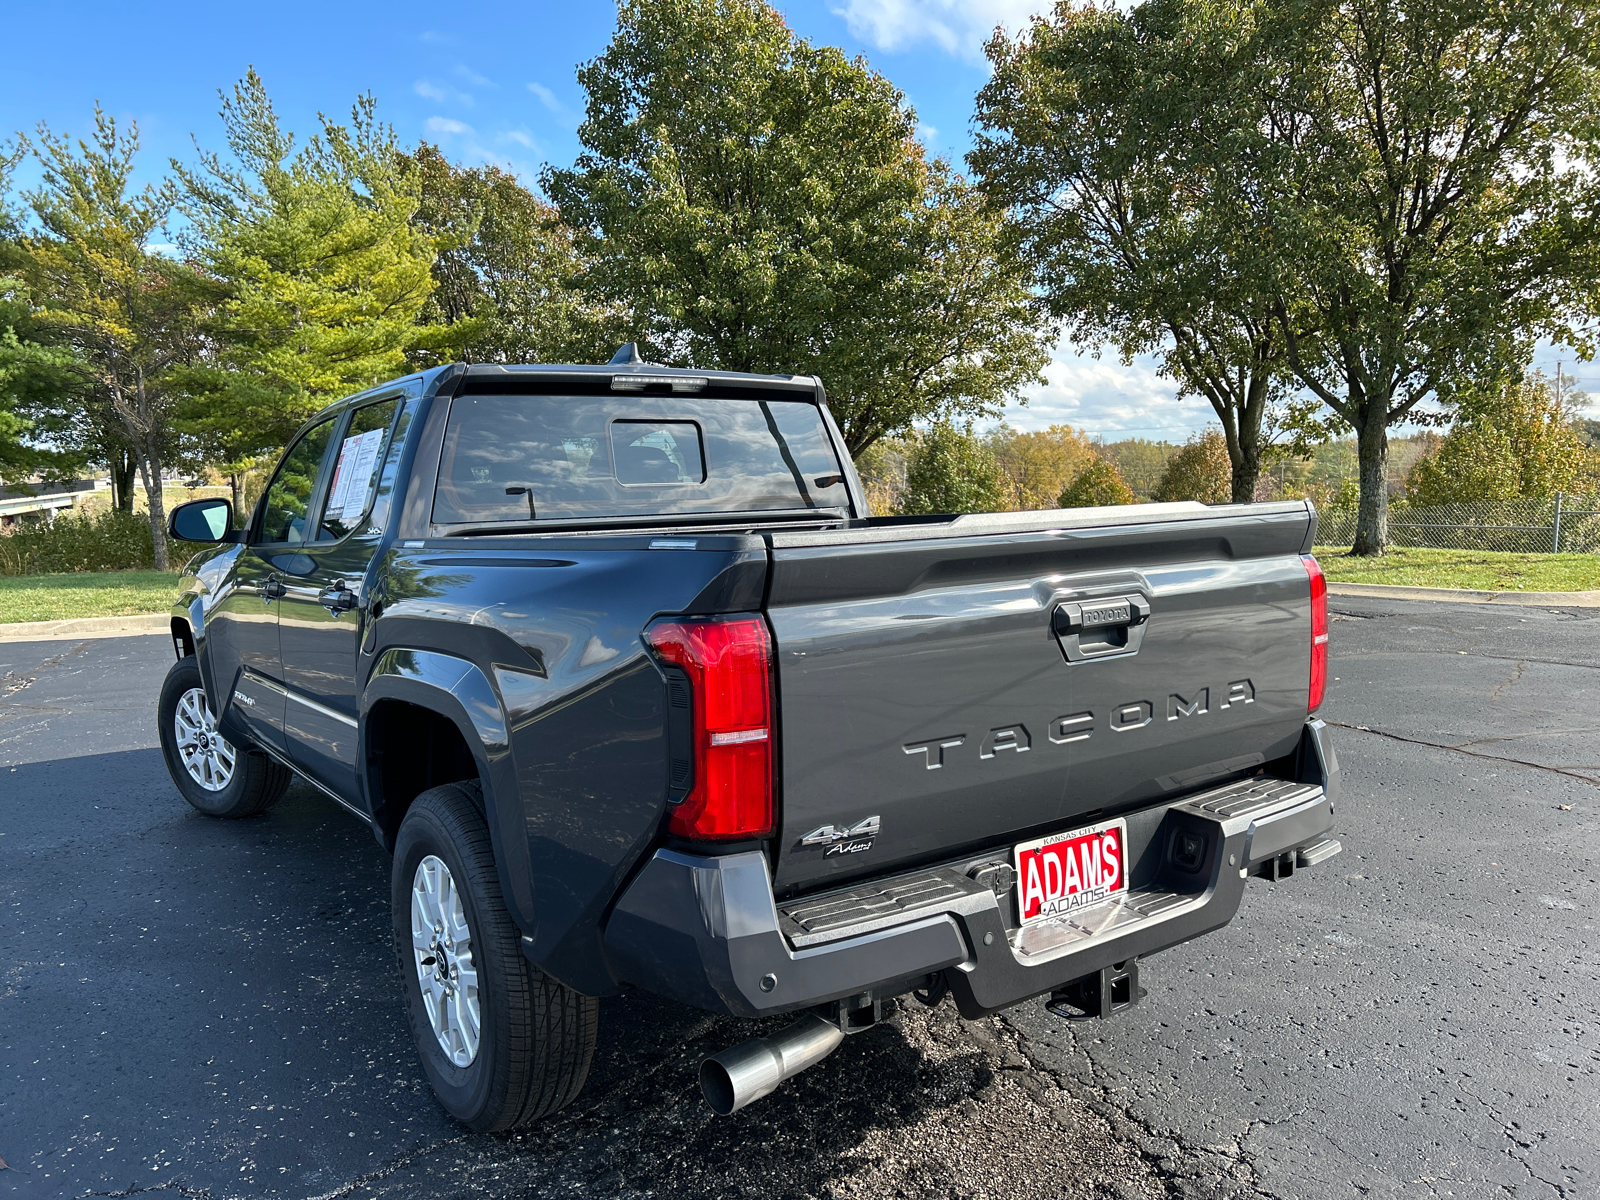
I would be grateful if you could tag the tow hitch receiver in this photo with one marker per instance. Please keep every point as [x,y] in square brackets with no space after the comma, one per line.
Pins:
[1103,994]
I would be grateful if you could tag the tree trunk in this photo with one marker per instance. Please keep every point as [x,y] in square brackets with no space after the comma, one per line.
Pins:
[122,469]
[150,468]
[1372,451]
[233,484]
[1245,453]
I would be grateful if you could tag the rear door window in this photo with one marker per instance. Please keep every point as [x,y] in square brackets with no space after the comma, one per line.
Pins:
[516,458]
[356,469]
[285,514]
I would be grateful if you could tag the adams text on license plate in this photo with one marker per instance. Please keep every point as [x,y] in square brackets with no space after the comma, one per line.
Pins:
[1067,872]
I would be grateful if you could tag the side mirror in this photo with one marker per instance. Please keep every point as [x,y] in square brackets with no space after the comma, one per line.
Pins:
[203,521]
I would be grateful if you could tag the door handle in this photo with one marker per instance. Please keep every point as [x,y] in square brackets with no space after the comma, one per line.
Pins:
[338,599]
[1100,628]
[272,590]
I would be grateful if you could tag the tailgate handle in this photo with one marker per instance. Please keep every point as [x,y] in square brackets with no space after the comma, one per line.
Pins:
[1101,614]
[1100,628]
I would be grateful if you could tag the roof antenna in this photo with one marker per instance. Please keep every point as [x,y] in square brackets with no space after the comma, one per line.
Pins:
[627,353]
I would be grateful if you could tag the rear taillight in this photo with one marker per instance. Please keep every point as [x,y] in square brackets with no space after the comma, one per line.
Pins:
[728,661]
[1319,633]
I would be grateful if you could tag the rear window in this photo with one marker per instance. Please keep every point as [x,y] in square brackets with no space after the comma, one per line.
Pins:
[512,458]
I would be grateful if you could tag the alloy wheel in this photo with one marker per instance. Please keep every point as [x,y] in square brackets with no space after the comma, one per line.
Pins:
[441,945]
[207,755]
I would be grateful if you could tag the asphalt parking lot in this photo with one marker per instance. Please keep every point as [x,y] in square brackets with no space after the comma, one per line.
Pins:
[211,1008]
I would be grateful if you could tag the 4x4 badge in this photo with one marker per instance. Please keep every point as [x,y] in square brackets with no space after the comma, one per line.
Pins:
[844,839]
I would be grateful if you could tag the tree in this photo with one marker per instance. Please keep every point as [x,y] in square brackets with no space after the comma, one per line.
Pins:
[1037,465]
[1104,134]
[1509,441]
[951,470]
[757,203]
[318,273]
[1140,462]
[1434,210]
[504,269]
[1200,470]
[1098,483]
[128,316]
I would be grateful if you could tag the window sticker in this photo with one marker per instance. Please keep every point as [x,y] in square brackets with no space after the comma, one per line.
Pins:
[352,477]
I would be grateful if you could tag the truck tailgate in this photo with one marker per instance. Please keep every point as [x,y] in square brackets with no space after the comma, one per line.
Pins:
[933,701]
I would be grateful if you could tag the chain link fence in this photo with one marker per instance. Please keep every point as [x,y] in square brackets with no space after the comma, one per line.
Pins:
[1563,523]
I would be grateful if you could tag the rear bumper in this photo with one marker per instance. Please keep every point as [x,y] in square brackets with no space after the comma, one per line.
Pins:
[706,930]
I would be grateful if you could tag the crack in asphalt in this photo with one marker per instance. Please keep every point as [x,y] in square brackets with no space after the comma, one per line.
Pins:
[1166,1167]
[1516,678]
[1461,748]
[13,683]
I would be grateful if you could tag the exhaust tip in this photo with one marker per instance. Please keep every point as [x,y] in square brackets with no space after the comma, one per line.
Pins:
[717,1085]
[744,1073]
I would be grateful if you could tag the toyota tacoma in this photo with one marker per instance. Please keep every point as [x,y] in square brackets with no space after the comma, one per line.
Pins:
[617,665]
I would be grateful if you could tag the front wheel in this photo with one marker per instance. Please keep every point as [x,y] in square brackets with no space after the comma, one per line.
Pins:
[217,777]
[502,1043]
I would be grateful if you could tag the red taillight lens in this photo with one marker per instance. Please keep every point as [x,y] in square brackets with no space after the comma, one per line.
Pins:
[729,664]
[1319,633]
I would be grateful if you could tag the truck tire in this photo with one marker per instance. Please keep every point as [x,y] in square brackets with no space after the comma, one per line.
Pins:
[502,1043]
[211,773]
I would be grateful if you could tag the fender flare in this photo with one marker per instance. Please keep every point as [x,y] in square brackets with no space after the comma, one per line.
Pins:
[458,690]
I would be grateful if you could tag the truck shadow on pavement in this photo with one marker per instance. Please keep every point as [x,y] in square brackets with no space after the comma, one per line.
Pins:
[264,944]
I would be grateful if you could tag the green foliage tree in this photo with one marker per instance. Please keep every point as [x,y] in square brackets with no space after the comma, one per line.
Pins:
[1100,129]
[503,270]
[1432,209]
[1509,441]
[319,273]
[1038,464]
[129,317]
[757,203]
[52,418]
[951,470]
[1098,483]
[1140,462]
[1200,470]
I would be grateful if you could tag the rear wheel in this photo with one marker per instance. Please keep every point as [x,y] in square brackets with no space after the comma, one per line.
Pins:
[216,776]
[502,1043]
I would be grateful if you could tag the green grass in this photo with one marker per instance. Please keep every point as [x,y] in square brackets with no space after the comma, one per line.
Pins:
[87,594]
[1479,570]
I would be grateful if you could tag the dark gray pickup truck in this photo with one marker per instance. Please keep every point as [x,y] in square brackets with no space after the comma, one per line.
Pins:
[616,664]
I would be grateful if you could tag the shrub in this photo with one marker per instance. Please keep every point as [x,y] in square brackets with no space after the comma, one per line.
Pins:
[952,471]
[107,541]
[1200,470]
[1098,483]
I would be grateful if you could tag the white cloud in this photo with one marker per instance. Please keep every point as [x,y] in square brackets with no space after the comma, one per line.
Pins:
[471,76]
[522,139]
[1110,399]
[447,125]
[442,93]
[959,27]
[928,133]
[547,97]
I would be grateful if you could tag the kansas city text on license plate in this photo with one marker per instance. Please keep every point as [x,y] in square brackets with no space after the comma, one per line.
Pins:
[1068,872]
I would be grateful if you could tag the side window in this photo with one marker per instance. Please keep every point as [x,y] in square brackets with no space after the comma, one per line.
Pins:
[284,514]
[356,470]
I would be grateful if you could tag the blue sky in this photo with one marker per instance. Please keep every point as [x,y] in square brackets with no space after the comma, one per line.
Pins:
[496,82]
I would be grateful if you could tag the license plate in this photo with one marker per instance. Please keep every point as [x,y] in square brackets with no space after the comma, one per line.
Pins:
[1068,872]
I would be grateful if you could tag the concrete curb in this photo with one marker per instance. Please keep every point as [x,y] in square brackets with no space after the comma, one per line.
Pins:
[1389,591]
[85,627]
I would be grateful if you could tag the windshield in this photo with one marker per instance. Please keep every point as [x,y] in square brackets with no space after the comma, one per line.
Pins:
[516,458]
